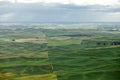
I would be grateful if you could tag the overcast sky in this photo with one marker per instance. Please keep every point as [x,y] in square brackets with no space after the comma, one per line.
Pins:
[59,10]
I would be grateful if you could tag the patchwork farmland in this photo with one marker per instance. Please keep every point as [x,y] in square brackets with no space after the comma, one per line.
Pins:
[48,52]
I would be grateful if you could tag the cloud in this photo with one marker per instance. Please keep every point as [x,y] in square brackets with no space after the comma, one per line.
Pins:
[78,2]
[50,12]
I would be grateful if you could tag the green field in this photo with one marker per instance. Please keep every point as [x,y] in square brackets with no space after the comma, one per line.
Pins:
[85,55]
[24,56]
[86,64]
[42,53]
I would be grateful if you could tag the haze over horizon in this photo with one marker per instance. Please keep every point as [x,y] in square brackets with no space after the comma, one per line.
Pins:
[59,11]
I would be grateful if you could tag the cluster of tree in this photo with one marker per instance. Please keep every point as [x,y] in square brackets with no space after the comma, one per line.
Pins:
[115,43]
[112,43]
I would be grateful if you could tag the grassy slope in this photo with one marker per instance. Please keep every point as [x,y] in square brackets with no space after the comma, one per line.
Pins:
[69,60]
[86,64]
[73,61]
[24,60]
[19,59]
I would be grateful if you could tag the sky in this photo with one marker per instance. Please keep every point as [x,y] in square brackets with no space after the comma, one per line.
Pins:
[59,11]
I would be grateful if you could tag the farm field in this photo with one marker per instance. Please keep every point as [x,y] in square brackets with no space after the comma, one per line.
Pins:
[48,52]
[85,55]
[24,56]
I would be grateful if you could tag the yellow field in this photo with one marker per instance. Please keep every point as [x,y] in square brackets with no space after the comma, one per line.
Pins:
[38,77]
[102,47]
[34,40]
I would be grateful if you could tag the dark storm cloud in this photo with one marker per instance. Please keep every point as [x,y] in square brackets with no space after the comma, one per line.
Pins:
[40,12]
